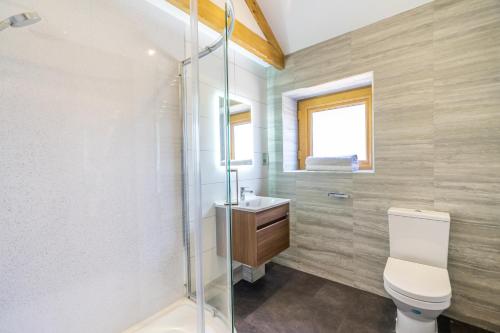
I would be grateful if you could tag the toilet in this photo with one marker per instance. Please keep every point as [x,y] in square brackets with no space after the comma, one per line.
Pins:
[416,275]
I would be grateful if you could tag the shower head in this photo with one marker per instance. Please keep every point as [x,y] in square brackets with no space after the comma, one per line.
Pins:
[20,20]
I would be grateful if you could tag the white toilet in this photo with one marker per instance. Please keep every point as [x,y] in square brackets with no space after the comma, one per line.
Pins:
[415,274]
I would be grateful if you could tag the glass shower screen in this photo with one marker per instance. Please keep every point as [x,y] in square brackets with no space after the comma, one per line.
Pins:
[207,180]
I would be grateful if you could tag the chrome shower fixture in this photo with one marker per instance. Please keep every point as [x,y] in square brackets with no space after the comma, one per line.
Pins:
[20,20]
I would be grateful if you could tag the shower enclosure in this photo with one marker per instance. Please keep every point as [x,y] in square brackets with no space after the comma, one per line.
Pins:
[206,178]
[110,166]
[208,281]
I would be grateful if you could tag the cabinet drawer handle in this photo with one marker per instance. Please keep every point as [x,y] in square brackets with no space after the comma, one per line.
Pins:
[270,224]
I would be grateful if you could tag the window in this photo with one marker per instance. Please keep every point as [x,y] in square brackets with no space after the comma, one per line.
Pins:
[241,136]
[336,125]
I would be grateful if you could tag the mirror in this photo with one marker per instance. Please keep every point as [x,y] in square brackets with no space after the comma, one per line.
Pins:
[241,131]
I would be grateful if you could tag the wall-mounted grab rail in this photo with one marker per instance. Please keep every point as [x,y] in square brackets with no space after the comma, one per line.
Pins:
[339,195]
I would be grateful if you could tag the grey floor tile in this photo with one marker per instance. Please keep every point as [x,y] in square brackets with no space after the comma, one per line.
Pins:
[290,301]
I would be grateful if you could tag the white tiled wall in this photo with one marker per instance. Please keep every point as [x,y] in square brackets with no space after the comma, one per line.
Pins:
[90,200]
[247,81]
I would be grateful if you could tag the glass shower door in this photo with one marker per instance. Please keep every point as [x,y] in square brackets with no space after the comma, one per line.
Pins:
[207,226]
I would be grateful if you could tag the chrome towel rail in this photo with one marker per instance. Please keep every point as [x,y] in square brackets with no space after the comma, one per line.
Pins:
[339,195]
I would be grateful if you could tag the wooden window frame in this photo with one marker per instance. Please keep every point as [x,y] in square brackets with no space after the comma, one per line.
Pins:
[236,119]
[307,107]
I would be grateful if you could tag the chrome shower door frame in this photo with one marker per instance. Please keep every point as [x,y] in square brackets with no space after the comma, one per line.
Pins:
[194,129]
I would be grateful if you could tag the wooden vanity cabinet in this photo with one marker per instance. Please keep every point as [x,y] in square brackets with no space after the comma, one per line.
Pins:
[257,237]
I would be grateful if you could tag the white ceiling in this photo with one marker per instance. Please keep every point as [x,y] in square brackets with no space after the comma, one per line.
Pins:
[298,24]
[243,14]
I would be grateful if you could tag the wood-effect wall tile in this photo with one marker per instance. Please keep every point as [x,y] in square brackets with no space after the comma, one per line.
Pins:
[437,146]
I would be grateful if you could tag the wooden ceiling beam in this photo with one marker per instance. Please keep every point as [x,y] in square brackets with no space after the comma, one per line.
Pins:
[259,17]
[213,16]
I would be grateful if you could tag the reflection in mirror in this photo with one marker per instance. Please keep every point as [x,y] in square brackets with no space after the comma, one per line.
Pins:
[241,131]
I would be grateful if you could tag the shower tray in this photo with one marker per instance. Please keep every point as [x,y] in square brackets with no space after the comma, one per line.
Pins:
[179,317]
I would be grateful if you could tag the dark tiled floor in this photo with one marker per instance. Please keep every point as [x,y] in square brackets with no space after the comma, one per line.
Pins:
[286,300]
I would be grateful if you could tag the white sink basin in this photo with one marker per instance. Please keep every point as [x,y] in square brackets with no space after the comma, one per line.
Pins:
[256,204]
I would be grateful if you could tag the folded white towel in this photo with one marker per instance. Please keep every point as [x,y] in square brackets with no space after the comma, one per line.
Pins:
[329,168]
[347,163]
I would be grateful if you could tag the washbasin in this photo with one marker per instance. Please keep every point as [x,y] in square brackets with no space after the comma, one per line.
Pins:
[257,203]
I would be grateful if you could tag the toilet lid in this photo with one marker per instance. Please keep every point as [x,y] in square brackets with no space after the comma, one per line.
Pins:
[418,281]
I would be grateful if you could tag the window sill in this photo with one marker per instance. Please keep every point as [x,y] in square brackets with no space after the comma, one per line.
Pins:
[327,172]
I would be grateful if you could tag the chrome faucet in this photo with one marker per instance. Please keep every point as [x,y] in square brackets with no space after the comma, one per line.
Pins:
[244,190]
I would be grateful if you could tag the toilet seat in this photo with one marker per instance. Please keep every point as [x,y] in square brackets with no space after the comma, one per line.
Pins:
[415,303]
[417,282]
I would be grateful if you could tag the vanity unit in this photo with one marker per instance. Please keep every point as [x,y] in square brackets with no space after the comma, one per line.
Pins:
[260,229]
